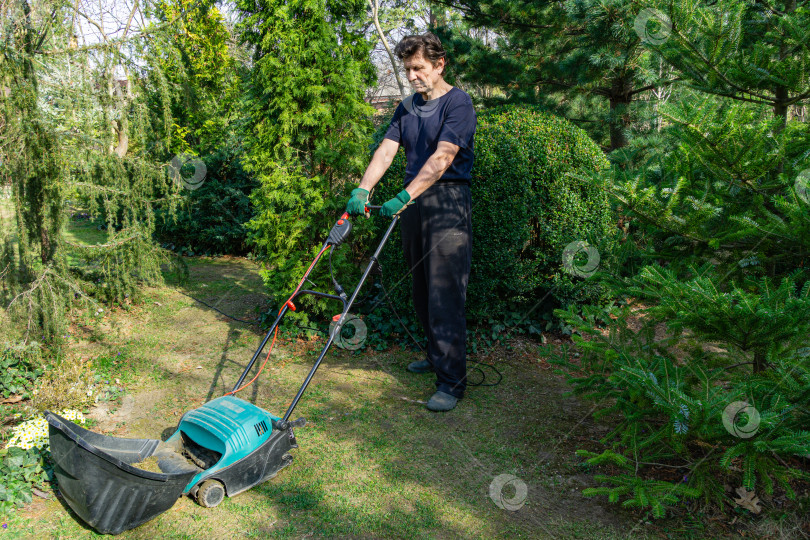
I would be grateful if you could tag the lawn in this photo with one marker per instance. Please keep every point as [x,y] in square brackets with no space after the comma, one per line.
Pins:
[372,462]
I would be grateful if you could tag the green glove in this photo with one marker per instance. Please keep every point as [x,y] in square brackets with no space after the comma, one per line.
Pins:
[395,205]
[357,204]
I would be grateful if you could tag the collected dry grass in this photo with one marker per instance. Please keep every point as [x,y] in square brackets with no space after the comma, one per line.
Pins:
[149,464]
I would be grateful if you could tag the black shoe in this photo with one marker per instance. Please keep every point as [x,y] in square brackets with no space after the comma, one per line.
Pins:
[420,366]
[441,402]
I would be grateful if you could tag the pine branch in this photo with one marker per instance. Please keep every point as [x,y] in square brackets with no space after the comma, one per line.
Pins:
[654,86]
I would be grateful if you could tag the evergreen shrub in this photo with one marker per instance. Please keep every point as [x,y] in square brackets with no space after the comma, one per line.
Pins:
[211,220]
[702,368]
[690,420]
[293,216]
[306,135]
[526,210]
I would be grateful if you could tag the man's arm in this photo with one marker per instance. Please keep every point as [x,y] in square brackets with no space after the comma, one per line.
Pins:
[382,159]
[433,169]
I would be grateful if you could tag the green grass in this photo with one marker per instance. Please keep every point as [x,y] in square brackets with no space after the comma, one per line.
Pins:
[372,463]
[84,231]
[74,231]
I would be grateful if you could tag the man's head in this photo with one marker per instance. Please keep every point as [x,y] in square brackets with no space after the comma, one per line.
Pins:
[424,59]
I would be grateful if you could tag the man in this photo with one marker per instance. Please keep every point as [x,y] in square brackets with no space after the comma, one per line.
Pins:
[436,127]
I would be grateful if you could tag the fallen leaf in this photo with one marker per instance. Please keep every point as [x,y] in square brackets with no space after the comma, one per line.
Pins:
[39,493]
[748,500]
[413,400]
[12,399]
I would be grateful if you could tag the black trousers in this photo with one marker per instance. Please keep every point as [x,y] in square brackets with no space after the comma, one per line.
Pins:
[437,242]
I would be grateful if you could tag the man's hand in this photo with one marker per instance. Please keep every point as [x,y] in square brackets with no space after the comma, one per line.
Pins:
[357,204]
[376,169]
[395,205]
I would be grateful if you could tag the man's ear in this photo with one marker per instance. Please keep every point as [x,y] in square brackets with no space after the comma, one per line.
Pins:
[440,63]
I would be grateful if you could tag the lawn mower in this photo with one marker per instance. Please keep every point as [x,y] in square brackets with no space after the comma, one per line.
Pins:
[220,449]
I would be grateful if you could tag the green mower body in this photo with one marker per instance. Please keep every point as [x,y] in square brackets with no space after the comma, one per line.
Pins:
[234,443]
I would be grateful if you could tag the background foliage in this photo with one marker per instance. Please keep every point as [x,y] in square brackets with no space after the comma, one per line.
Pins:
[699,206]
[307,127]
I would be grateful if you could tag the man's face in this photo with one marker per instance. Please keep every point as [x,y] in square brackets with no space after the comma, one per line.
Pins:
[421,73]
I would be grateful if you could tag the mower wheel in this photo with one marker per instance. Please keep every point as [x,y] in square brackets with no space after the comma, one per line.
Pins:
[211,493]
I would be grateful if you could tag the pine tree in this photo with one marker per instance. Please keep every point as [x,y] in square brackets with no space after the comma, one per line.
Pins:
[719,209]
[757,52]
[587,55]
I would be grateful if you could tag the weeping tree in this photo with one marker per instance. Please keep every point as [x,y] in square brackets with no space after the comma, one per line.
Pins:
[76,128]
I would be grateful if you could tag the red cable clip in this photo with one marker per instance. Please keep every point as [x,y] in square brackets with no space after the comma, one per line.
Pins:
[336,318]
[290,305]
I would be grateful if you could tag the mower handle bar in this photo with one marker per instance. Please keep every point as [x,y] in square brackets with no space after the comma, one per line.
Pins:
[339,323]
[347,305]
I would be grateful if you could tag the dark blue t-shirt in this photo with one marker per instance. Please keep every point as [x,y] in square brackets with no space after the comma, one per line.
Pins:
[419,125]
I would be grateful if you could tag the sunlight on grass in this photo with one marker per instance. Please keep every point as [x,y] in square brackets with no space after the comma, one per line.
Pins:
[84,232]
[9,227]
[371,462]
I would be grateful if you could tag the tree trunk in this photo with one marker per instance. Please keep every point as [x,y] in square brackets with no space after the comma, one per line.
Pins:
[45,252]
[120,127]
[375,10]
[438,16]
[781,94]
[759,362]
[620,100]
[780,107]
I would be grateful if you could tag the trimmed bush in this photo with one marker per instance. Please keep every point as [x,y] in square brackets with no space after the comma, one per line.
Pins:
[526,209]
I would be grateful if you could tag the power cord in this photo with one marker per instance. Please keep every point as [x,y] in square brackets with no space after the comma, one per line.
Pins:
[390,305]
[254,323]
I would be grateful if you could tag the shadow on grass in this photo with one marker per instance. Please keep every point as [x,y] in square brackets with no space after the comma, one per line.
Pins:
[369,441]
[374,463]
